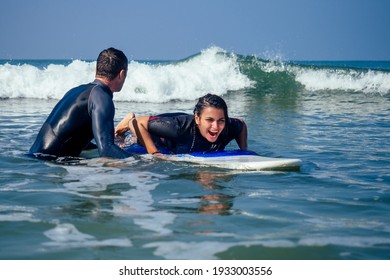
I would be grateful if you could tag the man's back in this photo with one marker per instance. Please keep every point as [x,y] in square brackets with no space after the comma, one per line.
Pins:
[68,129]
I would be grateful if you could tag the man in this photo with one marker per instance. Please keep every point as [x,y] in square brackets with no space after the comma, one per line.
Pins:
[86,112]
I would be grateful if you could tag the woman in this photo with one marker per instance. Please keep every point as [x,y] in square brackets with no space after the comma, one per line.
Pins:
[209,129]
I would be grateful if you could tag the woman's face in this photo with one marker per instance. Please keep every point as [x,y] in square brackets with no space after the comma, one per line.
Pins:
[211,123]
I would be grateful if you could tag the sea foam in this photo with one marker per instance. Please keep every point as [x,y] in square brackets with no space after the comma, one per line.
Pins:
[213,70]
[343,80]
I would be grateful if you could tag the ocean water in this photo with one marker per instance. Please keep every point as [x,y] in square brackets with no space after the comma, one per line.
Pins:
[334,116]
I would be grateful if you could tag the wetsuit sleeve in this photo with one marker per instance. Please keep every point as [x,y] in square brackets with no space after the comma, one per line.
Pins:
[102,111]
[235,127]
[238,131]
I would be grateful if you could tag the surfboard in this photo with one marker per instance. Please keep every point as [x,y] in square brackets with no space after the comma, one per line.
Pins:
[231,159]
[240,161]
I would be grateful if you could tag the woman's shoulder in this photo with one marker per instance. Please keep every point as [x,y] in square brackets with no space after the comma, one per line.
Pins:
[173,115]
[235,125]
[235,121]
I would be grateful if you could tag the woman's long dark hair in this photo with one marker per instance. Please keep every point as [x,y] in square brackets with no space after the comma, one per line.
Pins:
[211,100]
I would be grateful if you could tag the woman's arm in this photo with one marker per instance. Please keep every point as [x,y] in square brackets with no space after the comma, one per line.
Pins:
[242,138]
[140,128]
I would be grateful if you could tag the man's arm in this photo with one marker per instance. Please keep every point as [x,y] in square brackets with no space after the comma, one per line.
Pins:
[102,113]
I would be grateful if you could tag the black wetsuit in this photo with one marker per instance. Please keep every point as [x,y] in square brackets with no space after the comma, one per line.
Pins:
[179,134]
[84,113]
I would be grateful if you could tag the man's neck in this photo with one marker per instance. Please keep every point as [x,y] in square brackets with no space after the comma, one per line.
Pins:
[105,81]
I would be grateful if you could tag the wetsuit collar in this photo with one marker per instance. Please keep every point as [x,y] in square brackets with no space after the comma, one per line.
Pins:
[103,85]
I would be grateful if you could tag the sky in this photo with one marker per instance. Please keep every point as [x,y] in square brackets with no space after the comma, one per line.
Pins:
[176,29]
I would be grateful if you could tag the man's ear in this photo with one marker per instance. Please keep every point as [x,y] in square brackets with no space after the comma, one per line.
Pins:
[122,74]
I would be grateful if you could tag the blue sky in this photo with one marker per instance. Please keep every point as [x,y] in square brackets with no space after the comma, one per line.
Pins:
[176,29]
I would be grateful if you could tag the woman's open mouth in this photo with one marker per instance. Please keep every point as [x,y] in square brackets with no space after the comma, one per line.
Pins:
[213,134]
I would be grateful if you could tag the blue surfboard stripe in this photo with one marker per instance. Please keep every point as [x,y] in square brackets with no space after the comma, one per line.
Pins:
[224,153]
[138,149]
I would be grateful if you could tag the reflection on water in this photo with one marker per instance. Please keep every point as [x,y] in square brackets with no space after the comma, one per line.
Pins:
[213,202]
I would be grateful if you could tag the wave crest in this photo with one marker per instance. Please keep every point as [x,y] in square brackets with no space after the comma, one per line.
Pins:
[212,70]
[343,80]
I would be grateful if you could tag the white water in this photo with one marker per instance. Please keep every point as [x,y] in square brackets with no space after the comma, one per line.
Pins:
[211,71]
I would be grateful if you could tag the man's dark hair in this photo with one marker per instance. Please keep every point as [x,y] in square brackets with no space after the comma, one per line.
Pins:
[110,62]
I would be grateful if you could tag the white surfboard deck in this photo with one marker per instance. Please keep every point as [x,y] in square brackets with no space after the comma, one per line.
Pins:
[241,162]
[233,159]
